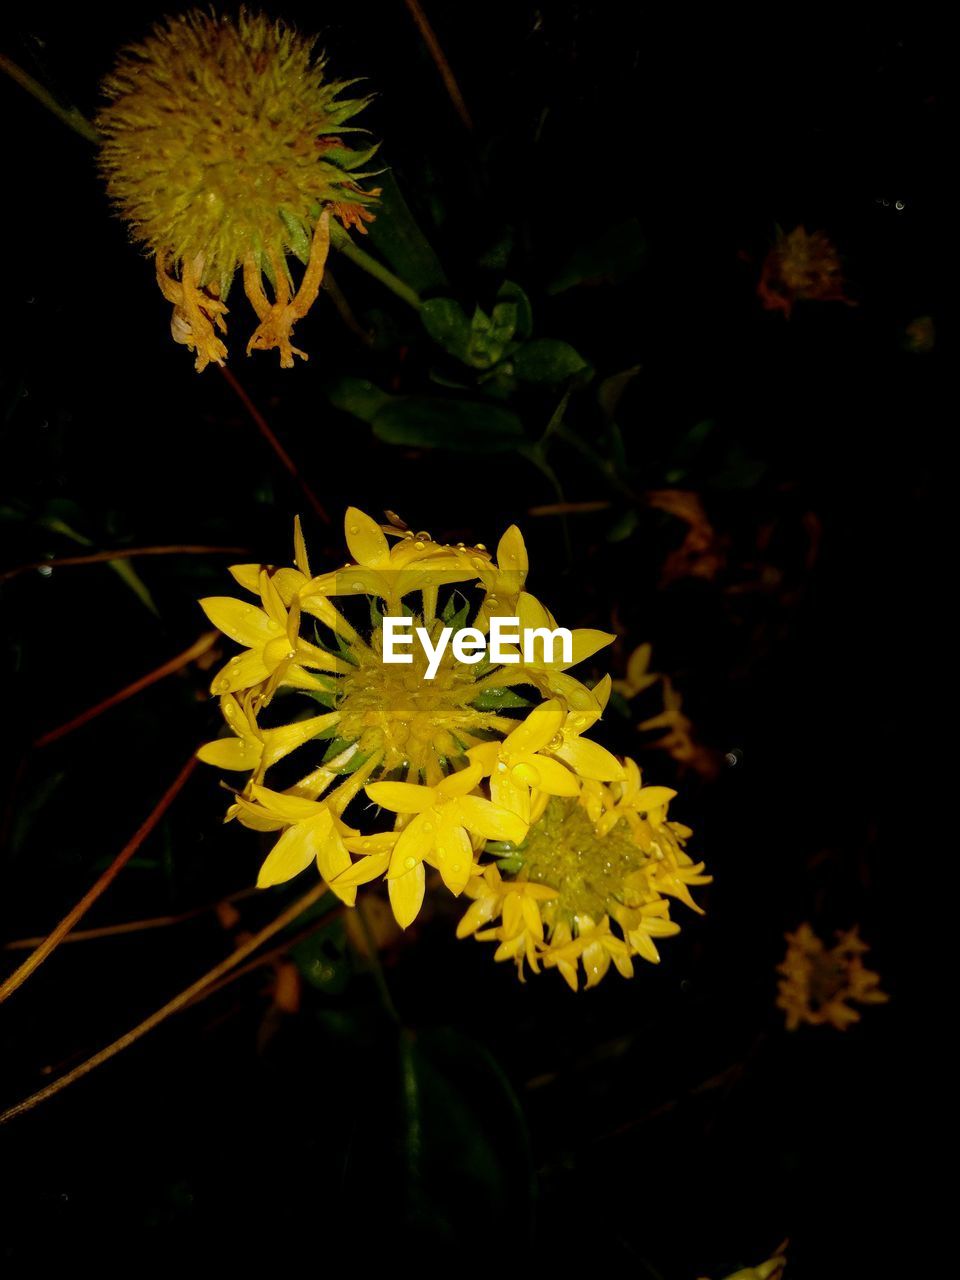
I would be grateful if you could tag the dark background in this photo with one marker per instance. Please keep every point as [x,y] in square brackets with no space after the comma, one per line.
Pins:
[667,1125]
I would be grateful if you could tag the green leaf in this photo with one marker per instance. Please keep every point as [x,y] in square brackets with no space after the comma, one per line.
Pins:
[419,421]
[396,236]
[447,324]
[359,397]
[322,958]
[618,252]
[509,291]
[610,391]
[550,362]
[498,700]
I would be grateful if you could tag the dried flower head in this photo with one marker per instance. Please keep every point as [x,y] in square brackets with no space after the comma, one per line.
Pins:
[223,149]
[818,981]
[801,266]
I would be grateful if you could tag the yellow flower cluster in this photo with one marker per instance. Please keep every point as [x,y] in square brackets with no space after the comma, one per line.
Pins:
[223,150]
[817,981]
[457,766]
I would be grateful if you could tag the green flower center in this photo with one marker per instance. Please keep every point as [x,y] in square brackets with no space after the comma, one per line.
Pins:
[394,709]
[564,851]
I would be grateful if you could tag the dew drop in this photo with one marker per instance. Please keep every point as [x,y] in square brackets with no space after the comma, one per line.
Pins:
[410,863]
[357,586]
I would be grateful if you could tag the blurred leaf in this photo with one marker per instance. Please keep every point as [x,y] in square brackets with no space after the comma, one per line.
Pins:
[610,391]
[623,526]
[429,422]
[448,424]
[122,568]
[323,959]
[616,253]
[447,324]
[400,241]
[359,397]
[509,291]
[466,1149]
[551,362]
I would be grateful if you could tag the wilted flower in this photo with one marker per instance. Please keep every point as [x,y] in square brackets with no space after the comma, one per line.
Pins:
[223,150]
[818,981]
[801,266]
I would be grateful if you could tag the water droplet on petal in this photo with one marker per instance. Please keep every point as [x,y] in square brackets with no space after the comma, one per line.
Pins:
[410,863]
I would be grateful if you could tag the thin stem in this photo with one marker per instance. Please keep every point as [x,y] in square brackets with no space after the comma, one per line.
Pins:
[69,116]
[264,428]
[376,968]
[342,241]
[53,940]
[121,553]
[440,58]
[127,927]
[178,1002]
[196,650]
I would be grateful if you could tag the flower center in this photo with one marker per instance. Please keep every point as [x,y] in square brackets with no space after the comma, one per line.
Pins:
[392,708]
[564,851]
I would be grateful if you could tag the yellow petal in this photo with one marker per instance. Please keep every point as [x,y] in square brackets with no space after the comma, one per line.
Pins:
[454,854]
[416,841]
[540,726]
[401,797]
[364,870]
[486,756]
[231,753]
[300,548]
[245,671]
[512,552]
[406,895]
[587,641]
[555,778]
[590,760]
[292,808]
[648,798]
[242,622]
[366,540]
[488,820]
[461,783]
[248,575]
[294,851]
[281,741]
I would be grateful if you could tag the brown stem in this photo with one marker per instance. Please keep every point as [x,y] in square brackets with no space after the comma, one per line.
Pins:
[133,926]
[121,553]
[196,650]
[440,58]
[173,1006]
[53,940]
[264,428]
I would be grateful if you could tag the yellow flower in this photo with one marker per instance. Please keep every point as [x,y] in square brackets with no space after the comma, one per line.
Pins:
[255,748]
[435,750]
[445,817]
[275,653]
[223,150]
[639,676]
[587,758]
[515,766]
[584,871]
[817,981]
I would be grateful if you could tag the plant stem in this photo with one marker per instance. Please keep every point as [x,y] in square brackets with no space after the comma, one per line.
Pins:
[178,1002]
[69,116]
[79,909]
[342,241]
[376,968]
